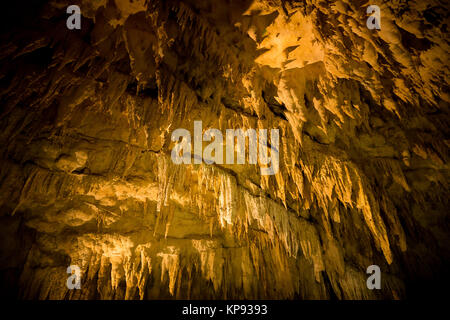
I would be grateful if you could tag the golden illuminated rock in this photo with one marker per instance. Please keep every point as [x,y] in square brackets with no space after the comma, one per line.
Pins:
[86,175]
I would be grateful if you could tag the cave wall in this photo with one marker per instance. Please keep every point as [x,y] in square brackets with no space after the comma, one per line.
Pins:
[86,176]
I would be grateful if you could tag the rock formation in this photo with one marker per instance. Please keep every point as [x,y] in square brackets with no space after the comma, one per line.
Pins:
[86,176]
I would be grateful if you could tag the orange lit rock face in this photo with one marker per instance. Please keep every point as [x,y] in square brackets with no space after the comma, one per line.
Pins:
[87,179]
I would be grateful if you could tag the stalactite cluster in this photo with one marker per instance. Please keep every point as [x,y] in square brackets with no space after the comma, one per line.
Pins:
[86,176]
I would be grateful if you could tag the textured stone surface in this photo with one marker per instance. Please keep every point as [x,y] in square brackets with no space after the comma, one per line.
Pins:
[86,176]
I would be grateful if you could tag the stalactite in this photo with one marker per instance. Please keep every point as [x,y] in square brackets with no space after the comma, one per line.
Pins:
[86,169]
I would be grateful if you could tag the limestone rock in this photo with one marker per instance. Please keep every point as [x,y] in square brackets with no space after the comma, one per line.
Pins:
[86,176]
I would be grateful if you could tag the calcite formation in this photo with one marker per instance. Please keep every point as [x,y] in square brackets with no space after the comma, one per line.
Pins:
[86,175]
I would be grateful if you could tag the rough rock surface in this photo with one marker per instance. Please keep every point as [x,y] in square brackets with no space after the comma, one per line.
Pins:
[86,177]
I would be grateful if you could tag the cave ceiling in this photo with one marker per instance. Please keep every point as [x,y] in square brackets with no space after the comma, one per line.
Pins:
[87,176]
